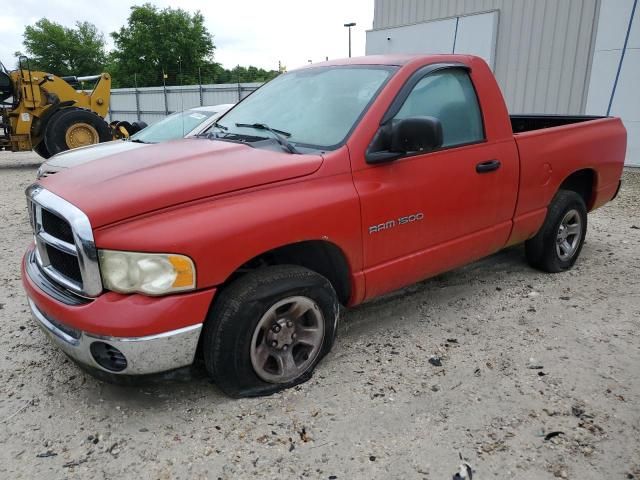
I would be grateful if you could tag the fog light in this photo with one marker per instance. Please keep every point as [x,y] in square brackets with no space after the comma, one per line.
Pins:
[108,356]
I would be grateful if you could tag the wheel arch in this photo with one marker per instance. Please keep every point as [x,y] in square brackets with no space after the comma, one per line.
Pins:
[583,182]
[321,256]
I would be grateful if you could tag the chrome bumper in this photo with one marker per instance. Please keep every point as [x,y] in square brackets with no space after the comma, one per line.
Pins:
[144,355]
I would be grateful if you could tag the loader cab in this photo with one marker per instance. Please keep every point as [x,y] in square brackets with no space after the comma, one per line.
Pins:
[6,85]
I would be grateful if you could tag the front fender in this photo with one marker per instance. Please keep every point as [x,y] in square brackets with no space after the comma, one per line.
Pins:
[222,234]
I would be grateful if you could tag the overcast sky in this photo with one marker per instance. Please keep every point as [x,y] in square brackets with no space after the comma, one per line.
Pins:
[246,32]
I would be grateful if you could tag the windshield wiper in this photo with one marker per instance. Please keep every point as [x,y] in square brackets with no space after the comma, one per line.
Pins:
[279,135]
[211,134]
[137,140]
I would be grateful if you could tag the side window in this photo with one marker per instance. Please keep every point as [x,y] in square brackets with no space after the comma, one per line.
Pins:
[448,96]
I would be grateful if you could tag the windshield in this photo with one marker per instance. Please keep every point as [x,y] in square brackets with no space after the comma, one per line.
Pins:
[316,107]
[175,126]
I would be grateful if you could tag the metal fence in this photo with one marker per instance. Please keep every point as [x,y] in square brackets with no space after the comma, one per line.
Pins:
[151,104]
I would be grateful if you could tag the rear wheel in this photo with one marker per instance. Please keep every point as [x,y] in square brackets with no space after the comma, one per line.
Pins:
[268,330]
[137,126]
[73,128]
[558,244]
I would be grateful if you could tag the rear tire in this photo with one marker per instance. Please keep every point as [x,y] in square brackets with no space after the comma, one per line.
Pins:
[72,127]
[558,243]
[137,126]
[269,329]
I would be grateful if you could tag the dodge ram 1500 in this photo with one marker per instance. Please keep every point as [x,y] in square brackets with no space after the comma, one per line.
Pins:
[331,184]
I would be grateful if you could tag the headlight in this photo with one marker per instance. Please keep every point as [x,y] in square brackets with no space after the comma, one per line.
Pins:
[149,273]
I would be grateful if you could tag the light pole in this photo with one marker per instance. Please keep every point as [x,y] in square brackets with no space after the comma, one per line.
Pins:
[349,25]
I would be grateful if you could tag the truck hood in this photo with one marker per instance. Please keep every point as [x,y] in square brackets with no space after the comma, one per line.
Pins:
[132,183]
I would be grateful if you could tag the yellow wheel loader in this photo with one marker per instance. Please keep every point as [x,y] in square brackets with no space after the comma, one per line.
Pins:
[43,112]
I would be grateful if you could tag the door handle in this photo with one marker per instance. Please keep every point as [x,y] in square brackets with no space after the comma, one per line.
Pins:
[488,166]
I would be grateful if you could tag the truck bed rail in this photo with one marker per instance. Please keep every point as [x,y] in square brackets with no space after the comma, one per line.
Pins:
[525,123]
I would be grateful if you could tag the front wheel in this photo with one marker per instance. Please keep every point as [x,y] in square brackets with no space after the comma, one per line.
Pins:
[74,127]
[41,149]
[558,244]
[269,329]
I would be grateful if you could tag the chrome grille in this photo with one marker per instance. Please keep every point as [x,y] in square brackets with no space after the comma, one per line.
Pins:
[65,263]
[57,227]
[65,250]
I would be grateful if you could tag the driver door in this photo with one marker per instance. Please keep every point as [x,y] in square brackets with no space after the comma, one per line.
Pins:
[430,212]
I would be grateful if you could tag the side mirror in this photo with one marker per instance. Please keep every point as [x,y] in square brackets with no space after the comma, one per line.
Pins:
[409,135]
[416,134]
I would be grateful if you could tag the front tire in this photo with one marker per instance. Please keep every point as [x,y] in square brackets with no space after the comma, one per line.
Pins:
[558,243]
[41,149]
[72,128]
[269,329]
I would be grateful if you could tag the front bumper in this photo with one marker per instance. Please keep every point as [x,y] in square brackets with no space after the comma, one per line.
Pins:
[117,334]
[142,355]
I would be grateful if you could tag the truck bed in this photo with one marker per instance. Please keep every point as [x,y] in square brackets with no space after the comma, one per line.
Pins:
[595,145]
[526,123]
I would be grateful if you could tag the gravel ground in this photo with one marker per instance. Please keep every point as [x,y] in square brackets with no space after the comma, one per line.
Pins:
[376,407]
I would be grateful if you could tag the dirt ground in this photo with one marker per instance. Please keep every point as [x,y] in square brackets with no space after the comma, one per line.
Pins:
[376,407]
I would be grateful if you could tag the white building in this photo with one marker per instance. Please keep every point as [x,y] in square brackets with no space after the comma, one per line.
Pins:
[549,56]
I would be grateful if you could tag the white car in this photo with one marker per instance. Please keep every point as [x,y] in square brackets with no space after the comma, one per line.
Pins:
[188,123]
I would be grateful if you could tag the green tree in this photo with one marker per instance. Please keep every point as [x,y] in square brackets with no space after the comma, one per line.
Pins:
[244,75]
[154,41]
[60,50]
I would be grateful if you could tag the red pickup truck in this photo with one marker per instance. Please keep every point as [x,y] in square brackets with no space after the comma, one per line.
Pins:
[330,185]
